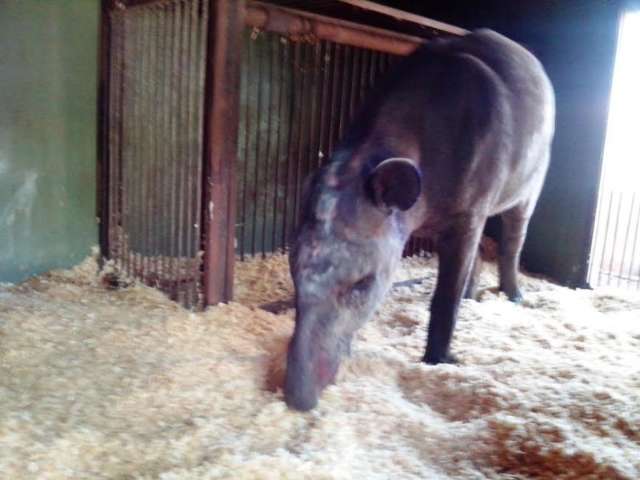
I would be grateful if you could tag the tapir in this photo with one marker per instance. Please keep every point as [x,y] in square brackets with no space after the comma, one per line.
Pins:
[458,132]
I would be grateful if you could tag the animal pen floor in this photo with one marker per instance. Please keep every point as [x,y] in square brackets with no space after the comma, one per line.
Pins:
[98,383]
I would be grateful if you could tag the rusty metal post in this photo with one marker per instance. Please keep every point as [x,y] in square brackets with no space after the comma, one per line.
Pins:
[297,23]
[226,23]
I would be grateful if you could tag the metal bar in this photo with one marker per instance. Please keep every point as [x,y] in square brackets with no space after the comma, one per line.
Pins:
[245,176]
[267,154]
[147,213]
[113,139]
[119,197]
[635,244]
[355,82]
[156,137]
[596,232]
[626,239]
[297,23]
[615,237]
[278,60]
[288,109]
[192,132]
[316,98]
[102,144]
[203,30]
[300,99]
[345,87]
[221,115]
[177,161]
[406,16]
[127,169]
[145,143]
[195,39]
[333,125]
[382,64]
[323,140]
[256,165]
[364,73]
[163,157]
[606,237]
[175,87]
[292,110]
[137,131]
[302,164]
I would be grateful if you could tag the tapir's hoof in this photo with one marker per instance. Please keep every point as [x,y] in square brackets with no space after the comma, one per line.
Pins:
[515,297]
[435,360]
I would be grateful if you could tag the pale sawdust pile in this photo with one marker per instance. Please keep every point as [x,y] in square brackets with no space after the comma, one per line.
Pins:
[124,384]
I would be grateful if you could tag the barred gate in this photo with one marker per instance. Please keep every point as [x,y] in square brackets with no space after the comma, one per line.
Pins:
[615,260]
[163,188]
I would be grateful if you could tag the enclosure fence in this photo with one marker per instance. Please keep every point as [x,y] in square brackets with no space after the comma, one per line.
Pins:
[212,114]
[298,96]
[155,120]
[615,259]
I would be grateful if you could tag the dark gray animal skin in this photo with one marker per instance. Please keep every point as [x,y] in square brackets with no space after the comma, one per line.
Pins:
[459,132]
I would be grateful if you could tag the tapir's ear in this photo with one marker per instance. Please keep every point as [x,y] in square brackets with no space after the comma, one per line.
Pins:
[394,183]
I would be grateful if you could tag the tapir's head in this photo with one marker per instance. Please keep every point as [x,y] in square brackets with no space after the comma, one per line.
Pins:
[350,239]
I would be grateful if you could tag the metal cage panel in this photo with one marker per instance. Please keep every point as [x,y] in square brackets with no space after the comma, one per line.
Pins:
[297,99]
[185,90]
[154,126]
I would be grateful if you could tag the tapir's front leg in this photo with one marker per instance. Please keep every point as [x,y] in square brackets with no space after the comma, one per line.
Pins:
[457,249]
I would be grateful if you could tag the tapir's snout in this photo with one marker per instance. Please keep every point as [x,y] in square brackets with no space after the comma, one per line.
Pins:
[312,364]
[300,391]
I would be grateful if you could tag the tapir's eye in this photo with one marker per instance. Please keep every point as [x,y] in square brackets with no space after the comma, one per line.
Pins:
[363,284]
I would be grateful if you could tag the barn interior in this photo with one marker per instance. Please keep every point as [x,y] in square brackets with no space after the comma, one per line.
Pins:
[152,160]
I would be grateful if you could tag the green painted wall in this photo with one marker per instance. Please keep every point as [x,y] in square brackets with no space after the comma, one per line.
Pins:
[48,87]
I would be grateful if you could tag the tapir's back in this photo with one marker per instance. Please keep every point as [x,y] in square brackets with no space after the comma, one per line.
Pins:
[531,111]
[481,110]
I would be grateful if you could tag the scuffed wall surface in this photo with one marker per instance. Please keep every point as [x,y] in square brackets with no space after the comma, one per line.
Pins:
[48,78]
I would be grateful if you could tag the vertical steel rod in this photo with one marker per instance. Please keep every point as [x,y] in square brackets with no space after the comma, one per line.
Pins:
[615,237]
[268,86]
[606,237]
[633,248]
[279,83]
[248,48]
[256,161]
[626,241]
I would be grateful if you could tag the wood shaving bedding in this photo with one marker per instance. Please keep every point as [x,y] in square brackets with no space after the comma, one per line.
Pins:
[114,384]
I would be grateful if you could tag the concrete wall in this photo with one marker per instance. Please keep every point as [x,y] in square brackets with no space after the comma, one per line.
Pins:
[48,75]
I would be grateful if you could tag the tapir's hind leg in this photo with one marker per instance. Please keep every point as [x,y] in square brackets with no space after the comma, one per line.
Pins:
[514,231]
[457,250]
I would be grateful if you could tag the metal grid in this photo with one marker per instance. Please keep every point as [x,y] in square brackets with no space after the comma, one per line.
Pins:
[615,259]
[154,147]
[296,101]
[170,86]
